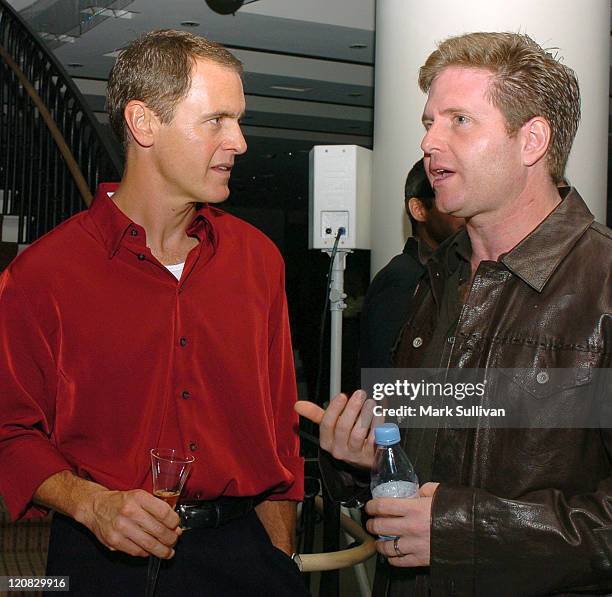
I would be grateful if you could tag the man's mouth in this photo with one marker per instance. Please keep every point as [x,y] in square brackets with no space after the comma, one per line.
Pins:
[440,174]
[223,167]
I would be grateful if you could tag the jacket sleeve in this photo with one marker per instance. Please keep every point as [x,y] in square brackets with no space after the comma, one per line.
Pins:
[539,544]
[284,395]
[28,380]
[344,483]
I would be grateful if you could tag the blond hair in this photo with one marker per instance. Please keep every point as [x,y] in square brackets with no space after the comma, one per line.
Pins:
[156,69]
[527,81]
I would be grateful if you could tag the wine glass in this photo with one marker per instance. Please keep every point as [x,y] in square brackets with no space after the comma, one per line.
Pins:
[170,470]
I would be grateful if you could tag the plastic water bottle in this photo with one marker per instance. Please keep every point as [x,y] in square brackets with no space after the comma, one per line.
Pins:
[392,472]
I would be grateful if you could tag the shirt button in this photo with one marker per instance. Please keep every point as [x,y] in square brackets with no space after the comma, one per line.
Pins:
[417,342]
[183,341]
[542,377]
[141,256]
[193,446]
[185,395]
[134,232]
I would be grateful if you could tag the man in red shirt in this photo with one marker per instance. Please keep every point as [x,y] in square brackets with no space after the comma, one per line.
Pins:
[154,320]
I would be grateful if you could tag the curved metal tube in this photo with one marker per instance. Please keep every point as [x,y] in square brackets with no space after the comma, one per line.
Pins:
[345,558]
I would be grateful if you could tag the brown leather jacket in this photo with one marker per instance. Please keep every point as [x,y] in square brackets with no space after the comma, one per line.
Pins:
[519,511]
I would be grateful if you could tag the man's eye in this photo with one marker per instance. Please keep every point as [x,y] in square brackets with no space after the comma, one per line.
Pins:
[216,120]
[460,119]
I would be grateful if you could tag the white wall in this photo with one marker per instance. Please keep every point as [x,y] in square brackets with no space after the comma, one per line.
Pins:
[406,33]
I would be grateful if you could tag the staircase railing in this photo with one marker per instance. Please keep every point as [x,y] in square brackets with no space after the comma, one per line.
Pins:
[52,148]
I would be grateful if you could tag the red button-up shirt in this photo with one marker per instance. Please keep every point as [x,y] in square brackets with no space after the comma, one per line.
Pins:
[105,355]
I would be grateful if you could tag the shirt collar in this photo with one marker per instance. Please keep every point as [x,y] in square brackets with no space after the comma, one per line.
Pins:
[540,253]
[419,249]
[113,224]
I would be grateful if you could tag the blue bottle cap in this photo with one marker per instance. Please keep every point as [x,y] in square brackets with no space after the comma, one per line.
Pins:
[387,434]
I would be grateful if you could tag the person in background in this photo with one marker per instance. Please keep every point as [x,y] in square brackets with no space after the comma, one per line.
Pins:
[385,308]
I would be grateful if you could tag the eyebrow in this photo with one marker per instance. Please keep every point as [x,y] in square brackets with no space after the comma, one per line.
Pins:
[448,111]
[225,114]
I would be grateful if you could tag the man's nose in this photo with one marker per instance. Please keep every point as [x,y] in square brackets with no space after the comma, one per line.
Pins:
[432,140]
[235,140]
[241,142]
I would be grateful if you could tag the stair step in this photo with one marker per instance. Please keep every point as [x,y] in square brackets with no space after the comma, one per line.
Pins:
[10,229]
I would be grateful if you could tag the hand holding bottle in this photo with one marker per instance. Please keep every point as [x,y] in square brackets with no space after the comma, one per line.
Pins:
[345,427]
[401,511]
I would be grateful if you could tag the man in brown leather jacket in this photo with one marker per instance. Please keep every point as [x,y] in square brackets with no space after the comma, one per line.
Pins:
[527,285]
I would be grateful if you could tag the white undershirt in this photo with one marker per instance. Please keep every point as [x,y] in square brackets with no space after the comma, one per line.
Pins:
[176,270]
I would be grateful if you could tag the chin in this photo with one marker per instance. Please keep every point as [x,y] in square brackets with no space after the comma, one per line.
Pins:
[218,197]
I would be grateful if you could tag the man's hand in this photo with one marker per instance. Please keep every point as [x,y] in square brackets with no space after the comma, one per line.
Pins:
[406,518]
[134,522]
[345,427]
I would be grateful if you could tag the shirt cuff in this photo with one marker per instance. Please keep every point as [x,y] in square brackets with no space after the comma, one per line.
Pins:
[25,464]
[292,490]
[452,541]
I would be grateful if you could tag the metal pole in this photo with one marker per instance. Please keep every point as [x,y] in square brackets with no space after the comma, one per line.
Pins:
[336,306]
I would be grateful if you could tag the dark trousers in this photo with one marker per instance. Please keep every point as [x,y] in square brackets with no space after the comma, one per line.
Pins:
[235,560]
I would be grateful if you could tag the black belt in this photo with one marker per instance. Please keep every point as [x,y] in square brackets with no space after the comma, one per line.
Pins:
[214,513]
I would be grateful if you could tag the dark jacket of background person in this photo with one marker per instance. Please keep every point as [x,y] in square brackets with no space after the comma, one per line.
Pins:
[385,308]
[519,511]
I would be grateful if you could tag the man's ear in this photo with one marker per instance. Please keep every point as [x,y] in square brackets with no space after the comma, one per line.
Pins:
[536,135]
[417,209]
[141,122]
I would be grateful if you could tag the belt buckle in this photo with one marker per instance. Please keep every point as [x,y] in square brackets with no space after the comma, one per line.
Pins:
[185,514]
[199,516]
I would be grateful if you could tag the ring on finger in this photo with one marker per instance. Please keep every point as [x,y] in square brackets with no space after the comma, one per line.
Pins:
[398,551]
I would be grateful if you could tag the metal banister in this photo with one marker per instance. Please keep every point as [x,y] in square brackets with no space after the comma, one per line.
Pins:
[53,151]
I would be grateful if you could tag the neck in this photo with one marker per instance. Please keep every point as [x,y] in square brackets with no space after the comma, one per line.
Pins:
[494,233]
[421,233]
[164,218]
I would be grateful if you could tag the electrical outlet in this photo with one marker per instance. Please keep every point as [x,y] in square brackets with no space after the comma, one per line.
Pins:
[331,221]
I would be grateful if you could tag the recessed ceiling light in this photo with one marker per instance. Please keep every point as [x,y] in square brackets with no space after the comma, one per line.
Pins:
[75,65]
[61,38]
[190,24]
[288,88]
[358,46]
[355,94]
[101,11]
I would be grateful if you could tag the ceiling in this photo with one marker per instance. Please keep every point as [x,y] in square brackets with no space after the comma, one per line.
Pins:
[303,81]
[309,72]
